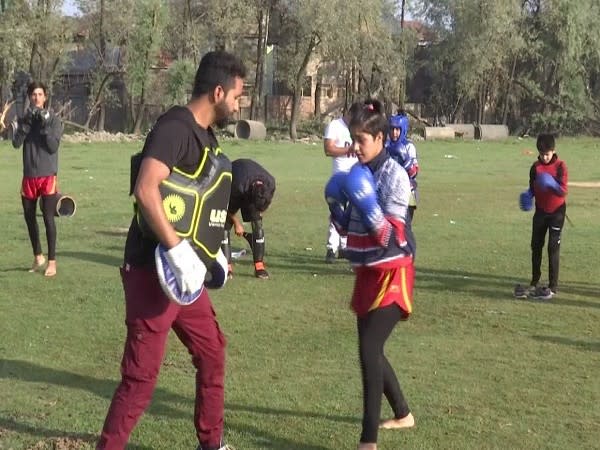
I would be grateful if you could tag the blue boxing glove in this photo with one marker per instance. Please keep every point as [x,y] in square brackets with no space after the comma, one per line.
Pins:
[360,189]
[337,201]
[546,181]
[216,276]
[526,200]
[334,189]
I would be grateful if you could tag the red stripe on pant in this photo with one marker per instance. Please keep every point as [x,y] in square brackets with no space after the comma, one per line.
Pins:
[149,317]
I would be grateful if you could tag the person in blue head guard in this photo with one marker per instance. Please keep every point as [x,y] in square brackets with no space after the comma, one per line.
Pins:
[404,151]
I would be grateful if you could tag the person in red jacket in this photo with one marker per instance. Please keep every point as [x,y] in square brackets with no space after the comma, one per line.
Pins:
[548,179]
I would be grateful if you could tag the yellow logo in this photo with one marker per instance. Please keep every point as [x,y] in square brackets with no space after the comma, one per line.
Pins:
[174,207]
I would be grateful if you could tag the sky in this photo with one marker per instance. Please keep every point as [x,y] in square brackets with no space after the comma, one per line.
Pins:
[69,8]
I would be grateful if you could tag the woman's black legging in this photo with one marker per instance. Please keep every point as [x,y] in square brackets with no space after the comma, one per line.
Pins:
[378,377]
[29,211]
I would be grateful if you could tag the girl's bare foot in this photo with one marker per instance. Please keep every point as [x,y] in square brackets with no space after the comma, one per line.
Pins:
[405,422]
[365,446]
[38,263]
[51,269]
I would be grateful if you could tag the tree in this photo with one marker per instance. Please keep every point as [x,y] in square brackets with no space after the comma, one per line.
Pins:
[15,43]
[51,36]
[143,50]
[478,41]
[559,74]
[33,39]
[108,28]
[264,9]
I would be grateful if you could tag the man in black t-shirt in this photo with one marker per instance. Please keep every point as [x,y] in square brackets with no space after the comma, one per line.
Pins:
[181,141]
[252,190]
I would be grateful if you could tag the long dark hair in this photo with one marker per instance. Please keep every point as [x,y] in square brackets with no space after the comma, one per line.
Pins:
[368,117]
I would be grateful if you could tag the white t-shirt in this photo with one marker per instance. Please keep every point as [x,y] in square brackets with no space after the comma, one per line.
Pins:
[338,132]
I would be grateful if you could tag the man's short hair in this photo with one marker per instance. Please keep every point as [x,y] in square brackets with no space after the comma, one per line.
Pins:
[545,142]
[36,85]
[261,196]
[217,68]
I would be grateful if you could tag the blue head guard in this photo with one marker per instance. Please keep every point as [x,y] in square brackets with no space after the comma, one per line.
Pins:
[400,121]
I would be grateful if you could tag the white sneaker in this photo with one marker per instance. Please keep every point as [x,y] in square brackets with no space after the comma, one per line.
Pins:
[542,293]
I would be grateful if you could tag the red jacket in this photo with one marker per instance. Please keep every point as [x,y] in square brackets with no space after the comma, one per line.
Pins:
[549,200]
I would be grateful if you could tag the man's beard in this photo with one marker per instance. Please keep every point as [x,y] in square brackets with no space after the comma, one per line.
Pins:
[222,114]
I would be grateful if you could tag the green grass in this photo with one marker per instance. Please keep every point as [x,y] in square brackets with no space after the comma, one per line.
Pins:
[480,369]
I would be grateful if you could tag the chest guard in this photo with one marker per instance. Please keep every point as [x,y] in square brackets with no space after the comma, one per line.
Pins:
[196,203]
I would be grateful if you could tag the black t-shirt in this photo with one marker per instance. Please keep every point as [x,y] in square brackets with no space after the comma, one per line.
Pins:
[174,141]
[244,173]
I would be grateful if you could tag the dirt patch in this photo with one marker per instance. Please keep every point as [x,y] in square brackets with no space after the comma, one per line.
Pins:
[62,443]
[585,184]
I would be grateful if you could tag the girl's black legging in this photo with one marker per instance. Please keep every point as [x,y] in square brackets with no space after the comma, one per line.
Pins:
[378,377]
[29,210]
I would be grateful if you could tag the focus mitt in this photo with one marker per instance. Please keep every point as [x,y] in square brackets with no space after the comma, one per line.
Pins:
[180,272]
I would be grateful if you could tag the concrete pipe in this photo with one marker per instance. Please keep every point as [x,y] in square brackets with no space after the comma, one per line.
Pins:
[491,132]
[65,205]
[230,129]
[433,133]
[250,129]
[463,130]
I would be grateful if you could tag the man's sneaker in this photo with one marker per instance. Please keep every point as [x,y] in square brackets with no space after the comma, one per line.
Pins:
[521,291]
[330,256]
[223,447]
[542,293]
[260,271]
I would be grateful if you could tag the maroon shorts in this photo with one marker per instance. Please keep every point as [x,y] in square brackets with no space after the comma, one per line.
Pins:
[33,188]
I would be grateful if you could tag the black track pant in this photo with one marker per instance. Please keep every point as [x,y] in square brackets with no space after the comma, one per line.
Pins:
[29,210]
[256,240]
[553,223]
[378,377]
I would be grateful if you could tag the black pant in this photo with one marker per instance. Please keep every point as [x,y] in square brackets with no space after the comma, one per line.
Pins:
[553,223]
[378,377]
[256,240]
[48,204]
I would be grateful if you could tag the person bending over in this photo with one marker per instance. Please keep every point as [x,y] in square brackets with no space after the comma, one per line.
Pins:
[252,190]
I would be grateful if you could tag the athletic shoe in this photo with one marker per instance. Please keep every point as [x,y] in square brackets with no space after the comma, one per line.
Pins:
[260,272]
[521,291]
[229,271]
[330,256]
[542,293]
[224,447]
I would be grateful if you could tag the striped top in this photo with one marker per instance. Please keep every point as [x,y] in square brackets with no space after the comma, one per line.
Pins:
[393,194]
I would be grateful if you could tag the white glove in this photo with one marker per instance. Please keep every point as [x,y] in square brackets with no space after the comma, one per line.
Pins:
[180,272]
[217,275]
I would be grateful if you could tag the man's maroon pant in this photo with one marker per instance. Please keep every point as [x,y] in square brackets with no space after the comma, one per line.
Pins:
[149,317]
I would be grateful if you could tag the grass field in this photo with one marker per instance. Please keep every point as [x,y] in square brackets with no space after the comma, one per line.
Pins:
[480,369]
